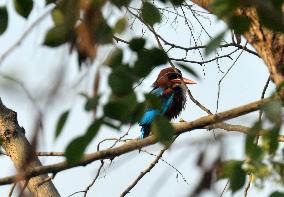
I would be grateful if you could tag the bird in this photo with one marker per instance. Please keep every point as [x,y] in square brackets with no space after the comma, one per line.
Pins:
[169,88]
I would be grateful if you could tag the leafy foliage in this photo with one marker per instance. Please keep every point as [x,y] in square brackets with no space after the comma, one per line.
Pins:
[61,122]
[84,28]
[188,69]
[24,7]
[276,194]
[137,44]
[76,148]
[232,169]
[163,130]
[150,13]
[56,36]
[3,19]
[267,12]
[120,25]
[214,43]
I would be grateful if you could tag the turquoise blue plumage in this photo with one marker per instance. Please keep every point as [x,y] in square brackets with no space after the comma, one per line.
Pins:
[151,113]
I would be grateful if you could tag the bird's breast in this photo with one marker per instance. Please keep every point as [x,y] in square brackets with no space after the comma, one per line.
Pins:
[177,105]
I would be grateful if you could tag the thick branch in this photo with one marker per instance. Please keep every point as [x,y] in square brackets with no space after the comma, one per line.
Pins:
[22,154]
[138,144]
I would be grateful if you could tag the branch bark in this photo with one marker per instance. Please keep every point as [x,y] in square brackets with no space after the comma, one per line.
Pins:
[138,144]
[22,154]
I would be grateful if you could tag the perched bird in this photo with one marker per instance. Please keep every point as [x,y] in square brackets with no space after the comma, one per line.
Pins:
[168,86]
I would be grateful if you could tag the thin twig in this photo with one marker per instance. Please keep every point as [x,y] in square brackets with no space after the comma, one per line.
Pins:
[96,177]
[142,174]
[261,111]
[12,189]
[223,77]
[248,186]
[173,167]
[223,191]
[91,184]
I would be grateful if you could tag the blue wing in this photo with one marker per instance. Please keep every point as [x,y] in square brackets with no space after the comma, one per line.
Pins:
[150,114]
[157,91]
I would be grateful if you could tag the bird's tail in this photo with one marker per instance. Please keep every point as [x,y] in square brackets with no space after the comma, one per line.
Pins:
[145,131]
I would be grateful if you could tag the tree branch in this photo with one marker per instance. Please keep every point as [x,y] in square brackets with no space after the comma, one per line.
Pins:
[138,144]
[22,154]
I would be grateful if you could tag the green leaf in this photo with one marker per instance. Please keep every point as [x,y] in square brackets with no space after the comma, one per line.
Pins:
[224,7]
[261,170]
[61,122]
[240,24]
[115,58]
[98,3]
[49,1]
[270,16]
[278,167]
[163,130]
[272,110]
[120,3]
[58,16]
[112,124]
[23,7]
[56,36]
[137,44]
[138,112]
[3,19]
[188,69]
[121,81]
[153,101]
[77,146]
[75,149]
[93,129]
[150,13]
[70,10]
[213,44]
[252,149]
[277,194]
[177,2]
[270,139]
[147,59]
[92,103]
[120,25]
[104,34]
[121,108]
[157,57]
[232,169]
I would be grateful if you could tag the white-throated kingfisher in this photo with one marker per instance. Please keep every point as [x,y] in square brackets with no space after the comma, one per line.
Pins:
[168,86]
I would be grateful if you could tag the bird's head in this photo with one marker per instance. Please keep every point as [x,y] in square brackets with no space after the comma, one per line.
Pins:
[169,78]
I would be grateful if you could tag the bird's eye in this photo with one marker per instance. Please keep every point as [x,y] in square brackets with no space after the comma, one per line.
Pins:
[174,75]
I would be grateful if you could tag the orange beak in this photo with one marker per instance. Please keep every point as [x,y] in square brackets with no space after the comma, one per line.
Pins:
[185,80]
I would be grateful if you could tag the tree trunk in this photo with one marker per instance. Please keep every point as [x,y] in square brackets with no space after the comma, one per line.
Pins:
[269,45]
[22,154]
